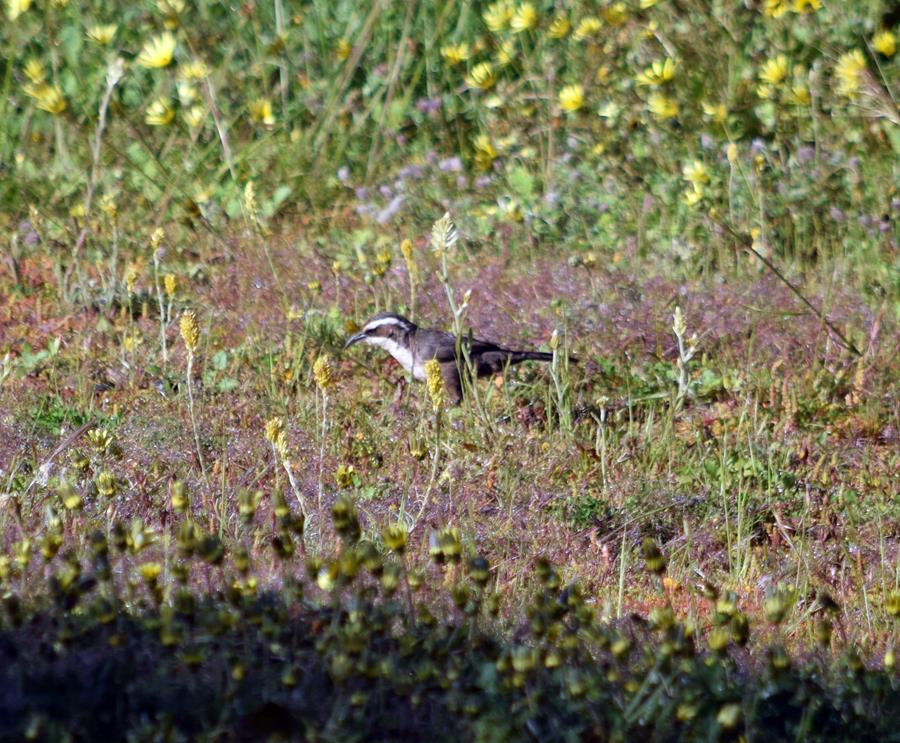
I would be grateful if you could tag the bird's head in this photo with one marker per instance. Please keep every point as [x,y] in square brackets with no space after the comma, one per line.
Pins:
[381,329]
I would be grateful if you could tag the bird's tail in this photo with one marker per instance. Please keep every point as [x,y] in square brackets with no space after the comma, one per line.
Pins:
[518,356]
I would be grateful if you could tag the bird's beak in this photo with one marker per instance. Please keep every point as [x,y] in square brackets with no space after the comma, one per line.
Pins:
[354,339]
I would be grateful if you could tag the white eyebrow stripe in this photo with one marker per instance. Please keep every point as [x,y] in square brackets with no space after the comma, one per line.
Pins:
[384,321]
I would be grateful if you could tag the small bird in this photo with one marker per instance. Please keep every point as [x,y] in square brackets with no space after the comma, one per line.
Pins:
[412,346]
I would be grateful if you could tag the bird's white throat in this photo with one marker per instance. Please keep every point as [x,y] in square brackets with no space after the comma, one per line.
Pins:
[401,353]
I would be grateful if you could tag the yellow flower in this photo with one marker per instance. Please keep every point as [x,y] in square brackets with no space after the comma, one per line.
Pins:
[435,383]
[586,28]
[106,484]
[718,112]
[159,112]
[171,10]
[662,106]
[774,71]
[196,69]
[806,6]
[261,112]
[190,331]
[343,49]
[559,27]
[456,53]
[695,173]
[482,76]
[524,19]
[169,284]
[644,4]
[485,154]
[102,33]
[50,99]
[158,51]
[798,95]
[187,93]
[571,98]
[849,72]
[498,15]
[616,14]
[775,8]
[324,372]
[884,42]
[693,196]
[35,72]
[660,72]
[274,428]
[194,117]
[15,8]
[150,571]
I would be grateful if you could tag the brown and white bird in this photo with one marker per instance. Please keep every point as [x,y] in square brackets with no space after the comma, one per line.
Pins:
[412,346]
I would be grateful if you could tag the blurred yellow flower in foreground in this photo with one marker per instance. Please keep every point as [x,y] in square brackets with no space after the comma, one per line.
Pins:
[196,69]
[194,116]
[485,154]
[456,53]
[102,33]
[50,99]
[34,71]
[524,19]
[884,42]
[662,106]
[695,173]
[559,27]
[498,15]
[718,112]
[482,76]
[774,71]
[660,72]
[571,98]
[775,8]
[190,331]
[261,112]
[849,72]
[806,6]
[586,28]
[160,112]
[343,49]
[15,8]
[158,51]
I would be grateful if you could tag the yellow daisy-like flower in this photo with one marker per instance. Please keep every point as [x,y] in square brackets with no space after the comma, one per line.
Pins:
[559,27]
[693,196]
[455,54]
[15,8]
[695,173]
[662,106]
[435,383]
[343,49]
[196,69]
[482,76]
[187,93]
[571,98]
[485,153]
[849,72]
[159,112]
[615,14]
[261,112]
[498,15]
[798,95]
[659,73]
[774,71]
[157,52]
[806,6]
[50,99]
[716,112]
[587,27]
[524,19]
[35,72]
[194,117]
[506,53]
[775,8]
[884,42]
[102,33]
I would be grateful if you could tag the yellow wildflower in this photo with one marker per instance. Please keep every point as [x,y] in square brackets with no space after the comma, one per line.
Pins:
[196,69]
[559,27]
[435,383]
[662,106]
[695,173]
[659,73]
[849,72]
[159,112]
[324,371]
[343,49]
[524,19]
[806,6]
[102,33]
[187,93]
[571,98]
[15,8]
[485,154]
[274,428]
[506,53]
[693,196]
[190,331]
[587,27]
[261,112]
[35,72]
[169,284]
[456,53]
[194,116]
[158,51]
[717,112]
[774,71]
[798,95]
[482,76]
[775,8]
[884,42]
[498,14]
[615,14]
